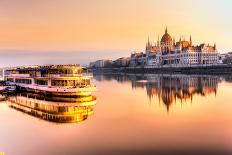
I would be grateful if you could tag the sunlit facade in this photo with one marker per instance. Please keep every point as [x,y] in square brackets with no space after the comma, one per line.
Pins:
[168,52]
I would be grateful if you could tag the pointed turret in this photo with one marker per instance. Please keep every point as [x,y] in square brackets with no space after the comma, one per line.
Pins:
[148,42]
[180,39]
[190,40]
[166,30]
[158,41]
[148,45]
[174,41]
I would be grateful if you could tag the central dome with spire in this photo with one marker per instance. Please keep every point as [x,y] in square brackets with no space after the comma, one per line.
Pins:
[166,39]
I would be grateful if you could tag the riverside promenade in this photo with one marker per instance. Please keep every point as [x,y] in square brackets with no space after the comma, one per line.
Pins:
[204,69]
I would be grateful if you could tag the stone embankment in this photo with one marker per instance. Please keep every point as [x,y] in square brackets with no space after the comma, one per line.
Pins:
[216,69]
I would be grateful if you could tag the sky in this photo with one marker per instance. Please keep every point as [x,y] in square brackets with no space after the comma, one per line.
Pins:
[77,31]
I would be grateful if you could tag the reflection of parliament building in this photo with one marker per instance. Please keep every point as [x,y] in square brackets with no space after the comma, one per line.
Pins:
[184,87]
[169,52]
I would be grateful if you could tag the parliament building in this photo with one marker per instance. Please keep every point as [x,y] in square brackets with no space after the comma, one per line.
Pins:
[168,52]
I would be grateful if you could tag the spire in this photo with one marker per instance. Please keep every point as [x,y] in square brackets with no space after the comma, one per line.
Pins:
[158,41]
[215,46]
[148,45]
[190,40]
[180,38]
[174,41]
[148,41]
[166,30]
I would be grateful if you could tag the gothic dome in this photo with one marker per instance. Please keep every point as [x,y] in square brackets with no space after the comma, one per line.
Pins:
[166,39]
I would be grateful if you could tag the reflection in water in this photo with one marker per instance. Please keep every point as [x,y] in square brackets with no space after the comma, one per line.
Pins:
[2,98]
[124,122]
[168,88]
[55,109]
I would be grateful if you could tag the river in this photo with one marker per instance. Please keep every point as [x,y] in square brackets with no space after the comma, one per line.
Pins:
[134,114]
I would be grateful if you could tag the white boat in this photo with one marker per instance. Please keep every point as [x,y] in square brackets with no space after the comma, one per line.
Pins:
[59,80]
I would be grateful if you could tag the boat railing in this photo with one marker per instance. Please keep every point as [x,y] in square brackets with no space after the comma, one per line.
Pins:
[50,75]
[65,75]
[20,75]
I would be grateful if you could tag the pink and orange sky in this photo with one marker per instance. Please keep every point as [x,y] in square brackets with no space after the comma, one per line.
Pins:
[77,31]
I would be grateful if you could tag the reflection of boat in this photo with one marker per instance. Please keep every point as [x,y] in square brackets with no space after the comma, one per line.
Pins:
[142,81]
[2,98]
[2,88]
[66,111]
[7,89]
[59,80]
[10,89]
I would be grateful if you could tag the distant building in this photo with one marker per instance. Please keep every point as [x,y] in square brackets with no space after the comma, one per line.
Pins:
[92,64]
[137,59]
[229,54]
[167,52]
[226,58]
[222,57]
[121,62]
[182,53]
[101,64]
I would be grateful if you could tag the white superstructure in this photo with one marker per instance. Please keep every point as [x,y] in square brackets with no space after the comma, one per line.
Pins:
[61,80]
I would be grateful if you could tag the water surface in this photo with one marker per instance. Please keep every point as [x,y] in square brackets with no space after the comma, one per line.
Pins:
[135,114]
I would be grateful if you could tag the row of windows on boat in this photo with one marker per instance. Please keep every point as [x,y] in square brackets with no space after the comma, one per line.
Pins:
[60,118]
[53,108]
[56,118]
[48,72]
[53,82]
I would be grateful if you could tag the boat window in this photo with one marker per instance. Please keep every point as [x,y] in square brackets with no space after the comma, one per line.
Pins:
[24,81]
[41,82]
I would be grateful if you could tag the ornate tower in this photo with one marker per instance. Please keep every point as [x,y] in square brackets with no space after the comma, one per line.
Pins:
[166,42]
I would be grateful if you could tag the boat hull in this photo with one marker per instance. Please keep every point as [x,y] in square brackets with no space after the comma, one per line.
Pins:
[68,92]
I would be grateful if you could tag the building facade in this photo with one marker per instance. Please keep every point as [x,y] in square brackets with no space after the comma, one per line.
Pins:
[168,52]
[101,64]
[137,59]
[122,62]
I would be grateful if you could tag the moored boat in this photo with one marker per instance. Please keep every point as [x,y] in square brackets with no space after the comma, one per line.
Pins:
[57,80]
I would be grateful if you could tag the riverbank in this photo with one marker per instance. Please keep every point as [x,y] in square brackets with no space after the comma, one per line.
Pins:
[216,69]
